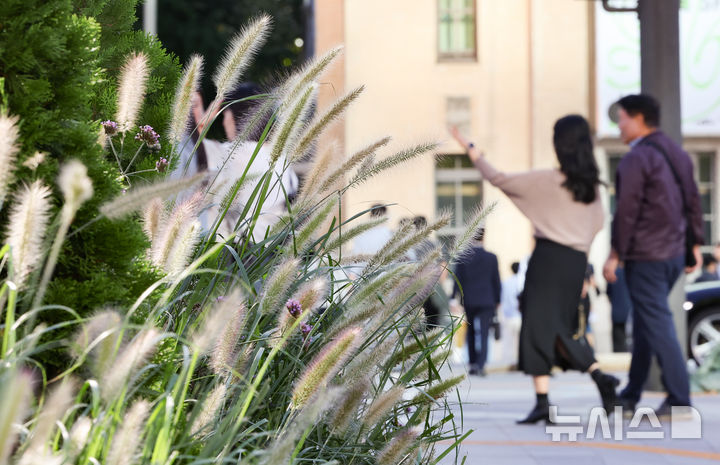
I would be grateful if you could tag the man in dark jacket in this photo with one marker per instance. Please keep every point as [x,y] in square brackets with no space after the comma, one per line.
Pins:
[648,235]
[479,283]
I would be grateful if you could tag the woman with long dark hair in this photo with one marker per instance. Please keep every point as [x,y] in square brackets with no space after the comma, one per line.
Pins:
[564,208]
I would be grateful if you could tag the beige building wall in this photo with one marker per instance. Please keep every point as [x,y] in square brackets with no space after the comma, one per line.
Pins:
[533,65]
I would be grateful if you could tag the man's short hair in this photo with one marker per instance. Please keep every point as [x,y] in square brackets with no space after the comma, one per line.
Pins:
[515,267]
[420,222]
[480,234]
[642,104]
[378,210]
[708,259]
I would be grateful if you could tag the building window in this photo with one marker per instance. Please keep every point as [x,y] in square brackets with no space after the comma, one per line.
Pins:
[456,29]
[458,189]
[704,162]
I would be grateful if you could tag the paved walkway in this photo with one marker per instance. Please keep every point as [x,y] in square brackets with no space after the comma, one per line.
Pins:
[492,404]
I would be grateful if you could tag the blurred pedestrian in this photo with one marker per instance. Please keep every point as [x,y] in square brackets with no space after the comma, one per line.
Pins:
[657,231]
[621,310]
[709,269]
[510,312]
[565,209]
[478,283]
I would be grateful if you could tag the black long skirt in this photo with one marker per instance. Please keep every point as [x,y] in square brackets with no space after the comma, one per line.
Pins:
[549,305]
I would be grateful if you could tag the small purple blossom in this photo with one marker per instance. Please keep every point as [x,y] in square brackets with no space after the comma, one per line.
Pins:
[219,298]
[148,135]
[111,127]
[305,329]
[160,166]
[293,306]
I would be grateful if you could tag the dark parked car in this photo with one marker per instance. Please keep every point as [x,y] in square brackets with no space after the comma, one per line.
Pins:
[703,309]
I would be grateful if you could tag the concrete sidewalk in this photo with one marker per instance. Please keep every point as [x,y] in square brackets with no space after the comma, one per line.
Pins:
[492,404]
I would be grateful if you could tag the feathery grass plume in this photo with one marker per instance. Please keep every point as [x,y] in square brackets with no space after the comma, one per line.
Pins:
[324,366]
[342,237]
[98,335]
[398,237]
[35,161]
[27,225]
[136,199]
[126,441]
[133,80]
[295,85]
[355,159]
[320,123]
[370,288]
[78,437]
[152,216]
[369,360]
[280,450]
[230,197]
[290,124]
[430,276]
[463,243]
[312,293]
[400,157]
[212,326]
[181,252]
[15,391]
[392,252]
[224,354]
[344,411]
[239,54]
[277,286]
[173,227]
[75,185]
[421,371]
[318,168]
[419,343]
[382,405]
[131,357]
[8,153]
[209,409]
[354,259]
[438,390]
[303,237]
[58,402]
[183,98]
[394,452]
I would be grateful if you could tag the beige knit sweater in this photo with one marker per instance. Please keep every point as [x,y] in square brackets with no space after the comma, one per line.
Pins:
[548,205]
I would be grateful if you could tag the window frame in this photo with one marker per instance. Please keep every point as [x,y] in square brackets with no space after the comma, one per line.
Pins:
[458,175]
[458,56]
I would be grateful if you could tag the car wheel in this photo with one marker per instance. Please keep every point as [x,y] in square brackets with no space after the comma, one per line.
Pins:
[704,333]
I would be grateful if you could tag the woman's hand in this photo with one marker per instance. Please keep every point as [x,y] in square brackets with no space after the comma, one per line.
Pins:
[472,151]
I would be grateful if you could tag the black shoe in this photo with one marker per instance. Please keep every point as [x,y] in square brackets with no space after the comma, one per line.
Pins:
[537,414]
[474,370]
[628,406]
[607,384]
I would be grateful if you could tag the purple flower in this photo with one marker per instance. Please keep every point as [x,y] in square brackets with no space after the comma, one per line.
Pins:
[305,329]
[111,127]
[161,165]
[148,135]
[293,306]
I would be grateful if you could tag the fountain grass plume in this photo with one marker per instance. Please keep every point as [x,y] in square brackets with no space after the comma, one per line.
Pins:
[312,293]
[341,237]
[290,124]
[295,85]
[214,326]
[318,168]
[277,285]
[421,370]
[392,161]
[438,390]
[419,343]
[78,437]
[16,388]
[115,378]
[9,149]
[209,409]
[397,238]
[354,160]
[152,216]
[395,451]
[303,238]
[345,410]
[35,161]
[136,199]
[76,188]
[382,405]
[238,56]
[182,251]
[369,360]
[318,125]
[126,441]
[170,230]
[463,243]
[183,98]
[324,366]
[27,226]
[131,91]
[96,336]
[371,287]
[224,354]
[58,402]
